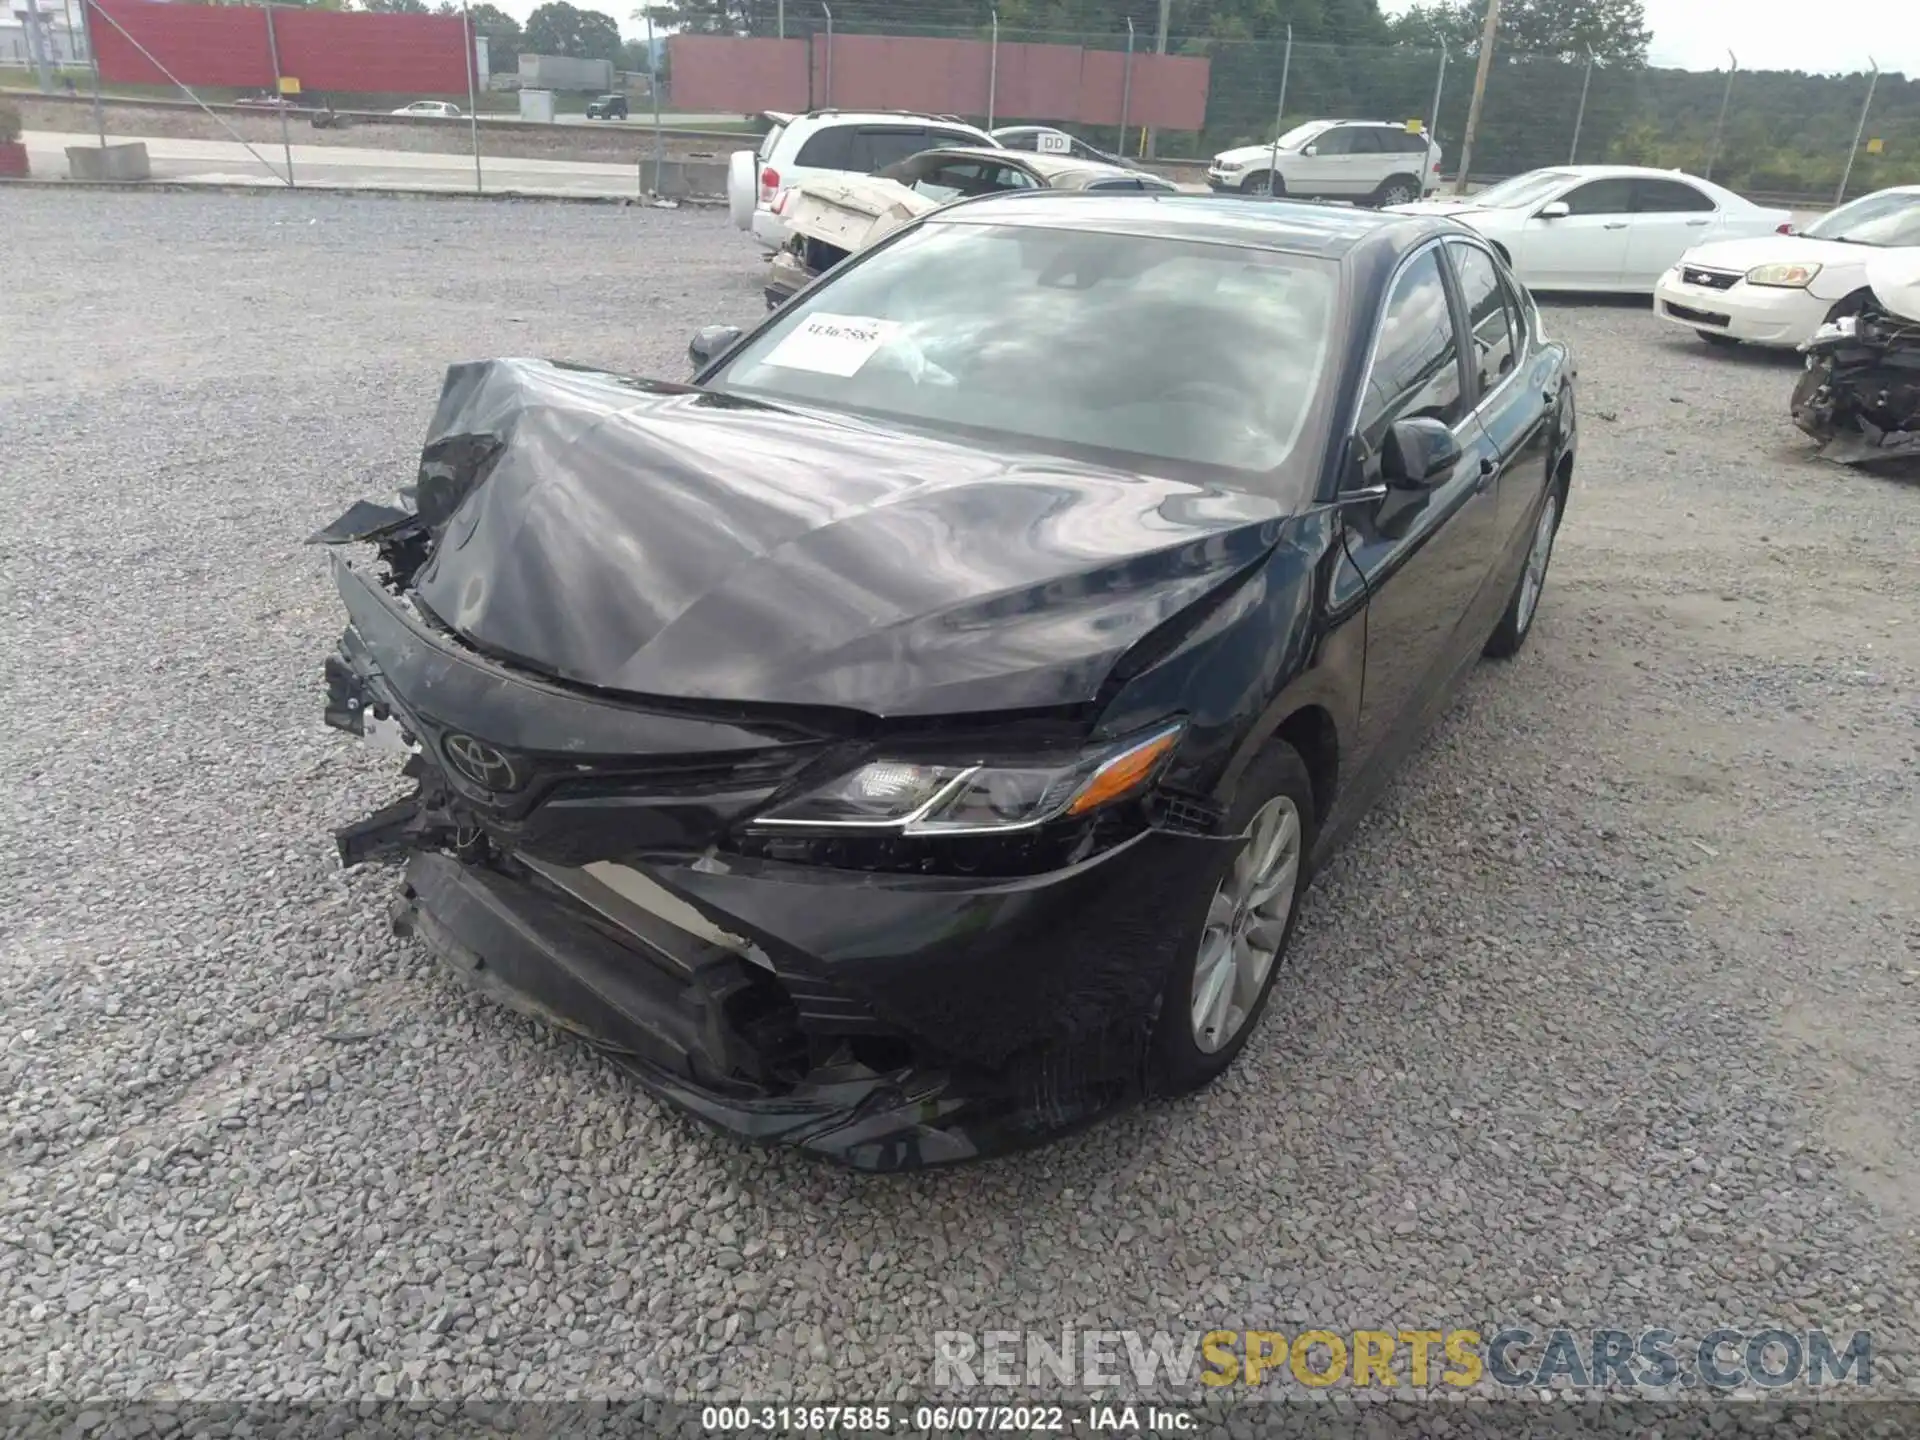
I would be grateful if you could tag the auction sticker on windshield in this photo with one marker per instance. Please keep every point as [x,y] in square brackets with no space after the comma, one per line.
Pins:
[832,344]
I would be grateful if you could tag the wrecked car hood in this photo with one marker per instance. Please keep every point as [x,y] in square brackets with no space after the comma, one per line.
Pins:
[851,211]
[653,539]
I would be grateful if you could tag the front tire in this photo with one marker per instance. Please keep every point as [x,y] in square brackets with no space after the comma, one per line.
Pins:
[1517,621]
[1265,183]
[1215,995]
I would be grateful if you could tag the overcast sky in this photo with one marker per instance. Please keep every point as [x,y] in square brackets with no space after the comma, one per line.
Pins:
[1831,35]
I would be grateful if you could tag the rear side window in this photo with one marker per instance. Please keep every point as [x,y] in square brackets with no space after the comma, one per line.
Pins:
[1668,197]
[1494,325]
[875,148]
[828,149]
[1403,142]
[937,136]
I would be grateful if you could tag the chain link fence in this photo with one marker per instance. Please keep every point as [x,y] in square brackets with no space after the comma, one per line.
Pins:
[290,92]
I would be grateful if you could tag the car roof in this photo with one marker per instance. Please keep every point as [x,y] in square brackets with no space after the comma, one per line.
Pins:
[880,117]
[1611,172]
[1298,226]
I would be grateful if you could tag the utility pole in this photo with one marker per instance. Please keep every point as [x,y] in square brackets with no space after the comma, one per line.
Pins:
[1487,33]
[1159,48]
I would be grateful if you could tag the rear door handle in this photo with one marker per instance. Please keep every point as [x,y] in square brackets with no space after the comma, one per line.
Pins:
[1699,222]
[1616,225]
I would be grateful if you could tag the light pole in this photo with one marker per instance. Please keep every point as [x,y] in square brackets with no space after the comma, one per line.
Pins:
[1487,37]
[1733,67]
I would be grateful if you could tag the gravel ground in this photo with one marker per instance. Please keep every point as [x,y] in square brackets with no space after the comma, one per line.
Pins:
[1605,1017]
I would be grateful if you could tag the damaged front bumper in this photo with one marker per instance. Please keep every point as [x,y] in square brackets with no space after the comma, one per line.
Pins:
[888,1021]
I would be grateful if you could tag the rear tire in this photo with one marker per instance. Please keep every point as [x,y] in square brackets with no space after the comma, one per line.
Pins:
[1275,792]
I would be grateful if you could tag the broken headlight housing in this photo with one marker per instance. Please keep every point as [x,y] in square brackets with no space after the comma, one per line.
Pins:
[970,814]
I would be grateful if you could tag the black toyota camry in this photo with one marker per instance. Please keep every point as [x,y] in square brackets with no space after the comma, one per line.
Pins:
[910,737]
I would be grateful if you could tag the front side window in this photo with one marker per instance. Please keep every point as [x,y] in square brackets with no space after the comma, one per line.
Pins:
[1171,353]
[1416,359]
[1489,315]
[1335,142]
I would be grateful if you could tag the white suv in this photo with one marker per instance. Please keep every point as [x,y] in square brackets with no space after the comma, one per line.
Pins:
[1365,160]
[825,142]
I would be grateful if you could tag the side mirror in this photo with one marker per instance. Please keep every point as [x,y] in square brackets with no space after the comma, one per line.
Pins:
[1311,150]
[1555,210]
[1418,454]
[710,342]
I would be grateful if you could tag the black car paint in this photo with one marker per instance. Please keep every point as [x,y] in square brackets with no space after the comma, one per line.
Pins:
[580,611]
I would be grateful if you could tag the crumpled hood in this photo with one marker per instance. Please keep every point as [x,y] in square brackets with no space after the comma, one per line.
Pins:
[647,538]
[1247,154]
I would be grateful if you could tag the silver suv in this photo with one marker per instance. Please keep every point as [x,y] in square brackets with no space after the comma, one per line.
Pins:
[825,142]
[1370,161]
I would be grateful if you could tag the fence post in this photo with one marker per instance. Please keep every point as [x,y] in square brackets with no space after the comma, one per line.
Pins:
[1873,79]
[829,9]
[1580,114]
[37,47]
[1733,67]
[273,50]
[473,99]
[1126,93]
[993,67]
[1439,80]
[653,84]
[99,113]
[1280,113]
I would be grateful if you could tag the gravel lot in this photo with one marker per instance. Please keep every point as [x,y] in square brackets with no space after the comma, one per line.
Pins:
[1606,1017]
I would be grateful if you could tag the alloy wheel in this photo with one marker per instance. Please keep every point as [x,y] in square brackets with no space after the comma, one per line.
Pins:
[1246,921]
[1535,578]
[1398,195]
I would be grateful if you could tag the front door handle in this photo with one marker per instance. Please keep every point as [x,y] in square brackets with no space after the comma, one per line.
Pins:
[1699,222]
[1488,469]
[1616,225]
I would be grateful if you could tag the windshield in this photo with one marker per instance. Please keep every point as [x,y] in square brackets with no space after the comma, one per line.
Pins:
[1300,134]
[1156,349]
[1521,190]
[1889,218]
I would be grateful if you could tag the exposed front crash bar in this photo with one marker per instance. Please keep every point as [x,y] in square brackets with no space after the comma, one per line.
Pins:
[395,829]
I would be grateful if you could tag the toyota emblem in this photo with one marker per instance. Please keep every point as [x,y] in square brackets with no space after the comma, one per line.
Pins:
[483,764]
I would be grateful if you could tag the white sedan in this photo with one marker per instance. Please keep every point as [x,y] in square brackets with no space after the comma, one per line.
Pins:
[437,109]
[1602,227]
[1779,289]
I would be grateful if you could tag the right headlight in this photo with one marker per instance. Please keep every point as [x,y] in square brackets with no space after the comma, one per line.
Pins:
[1790,276]
[924,798]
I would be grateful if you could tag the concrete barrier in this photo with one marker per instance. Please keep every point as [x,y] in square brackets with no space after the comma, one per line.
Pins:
[684,179]
[123,161]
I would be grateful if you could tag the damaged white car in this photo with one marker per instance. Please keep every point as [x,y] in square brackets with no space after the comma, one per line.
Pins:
[831,217]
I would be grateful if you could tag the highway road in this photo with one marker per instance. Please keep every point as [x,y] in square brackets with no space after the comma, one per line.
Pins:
[226,162]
